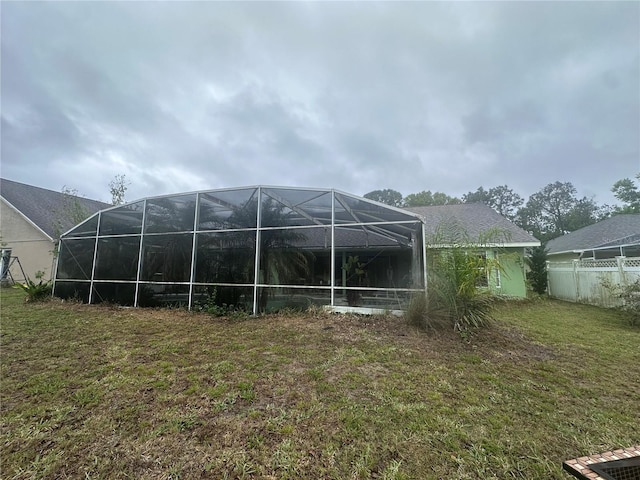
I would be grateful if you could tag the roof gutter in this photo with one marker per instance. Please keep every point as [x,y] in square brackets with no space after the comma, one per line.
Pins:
[485,245]
[591,249]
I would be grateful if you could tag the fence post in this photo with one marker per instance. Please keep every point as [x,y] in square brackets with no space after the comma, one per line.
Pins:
[621,271]
[576,279]
[547,263]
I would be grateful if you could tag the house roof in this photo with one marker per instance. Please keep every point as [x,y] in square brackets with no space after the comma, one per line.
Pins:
[45,208]
[618,230]
[472,222]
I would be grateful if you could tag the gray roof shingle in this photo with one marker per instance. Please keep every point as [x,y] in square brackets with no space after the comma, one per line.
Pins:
[612,232]
[472,221]
[45,208]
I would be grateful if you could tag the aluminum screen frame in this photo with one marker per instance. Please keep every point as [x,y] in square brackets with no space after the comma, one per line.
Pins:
[260,246]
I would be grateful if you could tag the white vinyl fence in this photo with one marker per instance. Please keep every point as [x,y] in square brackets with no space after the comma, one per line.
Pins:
[581,280]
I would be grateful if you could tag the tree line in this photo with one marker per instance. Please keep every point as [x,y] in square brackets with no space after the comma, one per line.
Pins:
[549,213]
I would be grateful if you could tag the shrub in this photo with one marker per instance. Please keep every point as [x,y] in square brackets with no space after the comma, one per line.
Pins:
[213,306]
[537,274]
[36,292]
[629,294]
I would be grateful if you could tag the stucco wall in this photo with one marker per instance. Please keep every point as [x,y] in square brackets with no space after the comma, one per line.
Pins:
[29,244]
[512,275]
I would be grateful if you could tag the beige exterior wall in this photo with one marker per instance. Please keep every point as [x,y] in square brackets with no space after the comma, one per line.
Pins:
[31,245]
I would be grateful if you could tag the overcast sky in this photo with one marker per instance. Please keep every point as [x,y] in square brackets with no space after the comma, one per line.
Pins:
[357,96]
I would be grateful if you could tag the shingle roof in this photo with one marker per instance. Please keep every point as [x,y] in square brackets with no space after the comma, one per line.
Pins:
[45,208]
[611,232]
[473,221]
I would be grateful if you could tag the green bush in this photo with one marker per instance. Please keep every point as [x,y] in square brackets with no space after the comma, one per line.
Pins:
[36,292]
[213,306]
[537,274]
[629,295]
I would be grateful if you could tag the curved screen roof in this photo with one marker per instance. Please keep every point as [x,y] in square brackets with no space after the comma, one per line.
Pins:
[236,208]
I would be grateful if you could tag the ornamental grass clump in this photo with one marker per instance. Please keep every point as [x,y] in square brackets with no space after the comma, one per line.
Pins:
[458,272]
[416,313]
[454,297]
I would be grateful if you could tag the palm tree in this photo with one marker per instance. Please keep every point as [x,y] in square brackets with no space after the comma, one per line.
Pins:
[282,258]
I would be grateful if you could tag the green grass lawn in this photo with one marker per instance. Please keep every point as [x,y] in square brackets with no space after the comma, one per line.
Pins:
[105,392]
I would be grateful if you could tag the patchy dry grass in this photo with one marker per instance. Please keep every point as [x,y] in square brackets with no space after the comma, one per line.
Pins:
[100,392]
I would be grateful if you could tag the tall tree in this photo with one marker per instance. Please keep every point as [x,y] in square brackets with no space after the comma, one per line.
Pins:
[479,196]
[556,210]
[427,199]
[387,196]
[628,193]
[501,198]
[586,212]
[118,187]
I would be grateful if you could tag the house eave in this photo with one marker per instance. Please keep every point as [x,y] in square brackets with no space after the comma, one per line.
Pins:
[487,245]
[592,249]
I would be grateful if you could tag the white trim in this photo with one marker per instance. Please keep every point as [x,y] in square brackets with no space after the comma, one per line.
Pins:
[589,249]
[83,222]
[485,245]
[192,277]
[139,269]
[256,265]
[333,247]
[95,257]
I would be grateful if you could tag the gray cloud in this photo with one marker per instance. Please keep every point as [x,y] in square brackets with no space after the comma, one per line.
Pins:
[359,96]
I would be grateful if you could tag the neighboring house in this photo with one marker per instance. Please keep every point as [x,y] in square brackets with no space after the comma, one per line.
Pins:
[617,236]
[32,219]
[489,233]
[582,262]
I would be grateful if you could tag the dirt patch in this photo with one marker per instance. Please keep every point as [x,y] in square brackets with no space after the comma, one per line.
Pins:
[503,342]
[498,341]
